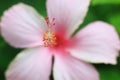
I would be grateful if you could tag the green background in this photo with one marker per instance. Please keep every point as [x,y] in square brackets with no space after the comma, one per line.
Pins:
[105,10]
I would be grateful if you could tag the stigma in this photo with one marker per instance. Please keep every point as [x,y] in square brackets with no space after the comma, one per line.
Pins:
[49,37]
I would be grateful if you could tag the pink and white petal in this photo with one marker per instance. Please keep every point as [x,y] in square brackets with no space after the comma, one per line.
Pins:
[22,26]
[69,68]
[69,14]
[30,64]
[97,43]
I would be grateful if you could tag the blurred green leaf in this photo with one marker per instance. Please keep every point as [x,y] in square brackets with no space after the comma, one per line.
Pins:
[108,72]
[97,2]
[115,20]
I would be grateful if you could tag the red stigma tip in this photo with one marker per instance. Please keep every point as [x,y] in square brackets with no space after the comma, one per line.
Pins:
[50,23]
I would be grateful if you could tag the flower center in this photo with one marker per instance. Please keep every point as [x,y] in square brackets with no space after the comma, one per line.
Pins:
[49,37]
[55,39]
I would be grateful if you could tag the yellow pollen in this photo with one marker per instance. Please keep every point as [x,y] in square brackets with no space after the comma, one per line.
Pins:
[49,38]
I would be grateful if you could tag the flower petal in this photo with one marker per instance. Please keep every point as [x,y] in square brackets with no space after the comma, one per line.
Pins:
[68,13]
[31,64]
[70,68]
[97,43]
[22,26]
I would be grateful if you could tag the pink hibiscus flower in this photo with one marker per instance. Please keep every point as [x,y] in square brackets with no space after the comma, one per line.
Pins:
[23,27]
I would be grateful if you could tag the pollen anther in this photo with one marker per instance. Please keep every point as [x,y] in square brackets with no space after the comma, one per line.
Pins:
[49,38]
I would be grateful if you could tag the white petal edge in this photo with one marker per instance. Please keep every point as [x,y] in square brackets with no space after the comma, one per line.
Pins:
[69,14]
[69,68]
[30,64]
[98,42]
[22,26]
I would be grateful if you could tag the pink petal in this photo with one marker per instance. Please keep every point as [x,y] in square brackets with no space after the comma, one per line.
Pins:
[68,13]
[70,68]
[97,43]
[30,64]
[22,26]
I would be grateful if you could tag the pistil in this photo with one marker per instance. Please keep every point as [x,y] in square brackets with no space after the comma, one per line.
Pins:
[49,36]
